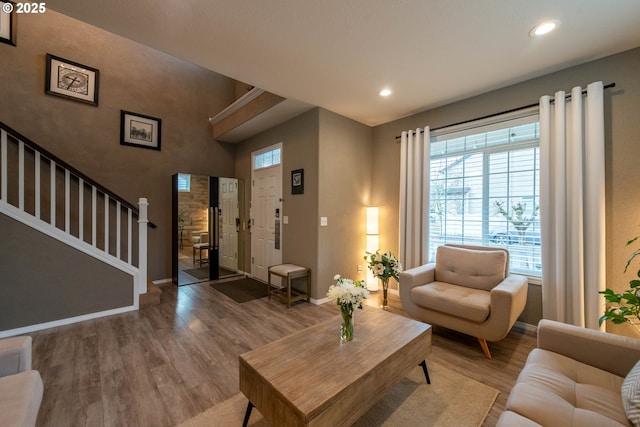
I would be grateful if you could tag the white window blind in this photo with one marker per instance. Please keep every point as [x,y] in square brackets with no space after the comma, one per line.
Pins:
[485,188]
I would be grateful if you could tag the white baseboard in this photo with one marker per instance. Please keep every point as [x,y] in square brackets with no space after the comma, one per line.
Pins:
[320,301]
[68,321]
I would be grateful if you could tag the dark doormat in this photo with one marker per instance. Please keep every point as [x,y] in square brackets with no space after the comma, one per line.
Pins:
[198,273]
[242,290]
[226,272]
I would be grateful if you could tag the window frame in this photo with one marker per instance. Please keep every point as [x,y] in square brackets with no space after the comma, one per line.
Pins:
[484,126]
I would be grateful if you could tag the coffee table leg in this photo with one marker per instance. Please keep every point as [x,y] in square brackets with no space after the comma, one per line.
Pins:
[247,414]
[426,372]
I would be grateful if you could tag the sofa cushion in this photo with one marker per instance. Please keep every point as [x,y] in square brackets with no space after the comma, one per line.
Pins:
[554,390]
[471,268]
[467,303]
[631,395]
[20,398]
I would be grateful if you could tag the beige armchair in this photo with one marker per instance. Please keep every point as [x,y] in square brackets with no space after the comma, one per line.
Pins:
[468,289]
[20,387]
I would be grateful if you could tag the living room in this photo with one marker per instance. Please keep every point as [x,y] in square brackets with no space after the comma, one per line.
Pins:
[136,78]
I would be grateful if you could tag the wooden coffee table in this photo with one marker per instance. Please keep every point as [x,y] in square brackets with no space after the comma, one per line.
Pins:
[310,378]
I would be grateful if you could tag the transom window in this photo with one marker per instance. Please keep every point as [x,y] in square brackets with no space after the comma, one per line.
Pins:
[267,159]
[484,189]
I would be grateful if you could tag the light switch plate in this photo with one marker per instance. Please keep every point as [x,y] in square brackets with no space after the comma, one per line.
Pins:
[285,219]
[323,221]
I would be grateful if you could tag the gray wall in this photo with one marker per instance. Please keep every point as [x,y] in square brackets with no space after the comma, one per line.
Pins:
[39,276]
[622,109]
[133,78]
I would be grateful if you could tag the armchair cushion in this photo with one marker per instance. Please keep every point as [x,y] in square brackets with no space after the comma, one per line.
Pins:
[467,303]
[479,269]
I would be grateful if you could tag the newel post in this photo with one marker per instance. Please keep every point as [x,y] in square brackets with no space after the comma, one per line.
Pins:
[143,220]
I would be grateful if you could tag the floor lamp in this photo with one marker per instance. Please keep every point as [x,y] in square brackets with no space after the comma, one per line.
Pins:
[372,243]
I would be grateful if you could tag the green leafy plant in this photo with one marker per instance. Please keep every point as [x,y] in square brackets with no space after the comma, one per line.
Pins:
[624,307]
[181,220]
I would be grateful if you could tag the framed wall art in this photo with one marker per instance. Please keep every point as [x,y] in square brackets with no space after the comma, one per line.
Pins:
[297,181]
[8,23]
[71,80]
[138,130]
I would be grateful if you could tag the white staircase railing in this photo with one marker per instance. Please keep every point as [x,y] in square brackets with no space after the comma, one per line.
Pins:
[51,196]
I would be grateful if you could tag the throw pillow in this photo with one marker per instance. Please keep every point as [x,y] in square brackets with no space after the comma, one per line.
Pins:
[631,395]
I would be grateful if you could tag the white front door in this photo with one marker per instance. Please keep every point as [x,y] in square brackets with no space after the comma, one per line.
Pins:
[266,214]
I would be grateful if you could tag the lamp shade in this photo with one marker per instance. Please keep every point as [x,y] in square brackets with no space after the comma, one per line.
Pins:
[372,220]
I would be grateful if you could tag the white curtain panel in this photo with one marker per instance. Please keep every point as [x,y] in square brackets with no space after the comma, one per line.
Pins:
[572,206]
[414,197]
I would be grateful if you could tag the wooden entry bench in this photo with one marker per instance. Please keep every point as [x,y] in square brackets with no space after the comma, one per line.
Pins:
[286,293]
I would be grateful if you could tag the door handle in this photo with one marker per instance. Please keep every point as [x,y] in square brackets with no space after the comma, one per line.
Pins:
[214,228]
[211,227]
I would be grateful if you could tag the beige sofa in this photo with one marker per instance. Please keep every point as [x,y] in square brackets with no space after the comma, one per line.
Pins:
[20,387]
[573,378]
[468,289]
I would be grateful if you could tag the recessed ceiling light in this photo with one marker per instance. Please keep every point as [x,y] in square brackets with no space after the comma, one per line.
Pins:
[544,28]
[385,92]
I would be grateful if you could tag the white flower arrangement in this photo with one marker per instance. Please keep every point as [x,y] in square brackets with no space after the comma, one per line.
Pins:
[383,265]
[347,294]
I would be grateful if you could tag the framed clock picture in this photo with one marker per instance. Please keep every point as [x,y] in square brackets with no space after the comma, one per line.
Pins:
[71,80]
[8,23]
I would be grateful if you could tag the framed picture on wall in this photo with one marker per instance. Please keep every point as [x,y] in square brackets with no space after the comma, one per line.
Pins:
[138,130]
[71,80]
[297,181]
[8,22]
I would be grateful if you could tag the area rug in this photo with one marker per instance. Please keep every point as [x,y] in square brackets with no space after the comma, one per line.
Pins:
[242,290]
[199,273]
[450,400]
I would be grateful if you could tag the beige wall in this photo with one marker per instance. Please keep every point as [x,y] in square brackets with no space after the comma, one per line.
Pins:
[133,78]
[335,154]
[622,151]
[299,138]
[344,192]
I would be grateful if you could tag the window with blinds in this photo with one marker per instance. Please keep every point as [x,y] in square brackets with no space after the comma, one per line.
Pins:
[184,182]
[485,186]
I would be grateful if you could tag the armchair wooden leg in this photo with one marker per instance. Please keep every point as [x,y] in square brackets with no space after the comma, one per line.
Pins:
[485,347]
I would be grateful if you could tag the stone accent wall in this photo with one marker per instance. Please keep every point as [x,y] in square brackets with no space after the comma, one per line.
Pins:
[194,204]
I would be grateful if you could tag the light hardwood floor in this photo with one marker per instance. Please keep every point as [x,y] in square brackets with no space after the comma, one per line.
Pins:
[166,363]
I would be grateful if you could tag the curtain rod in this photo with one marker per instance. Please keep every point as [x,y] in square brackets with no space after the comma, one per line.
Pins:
[567,96]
